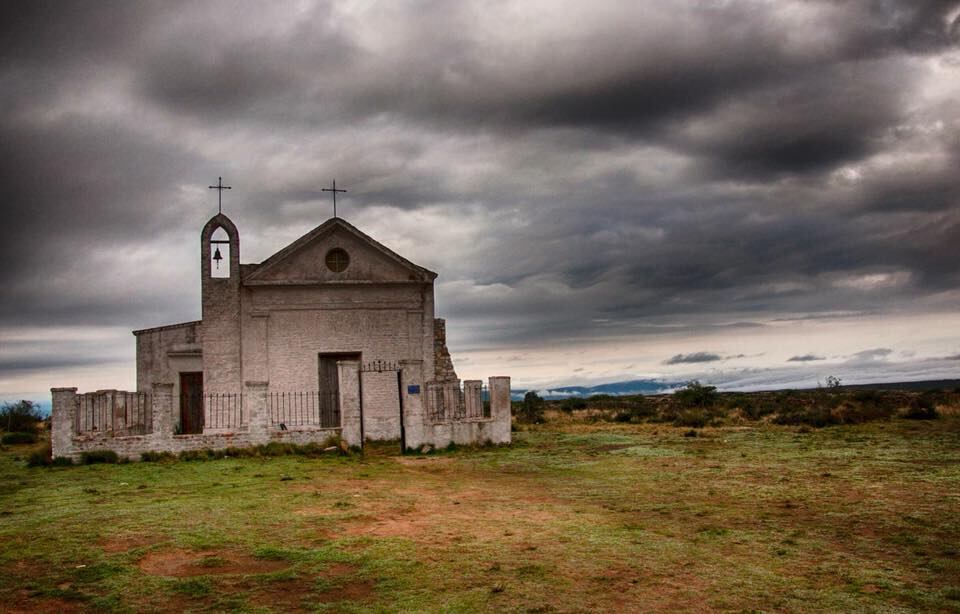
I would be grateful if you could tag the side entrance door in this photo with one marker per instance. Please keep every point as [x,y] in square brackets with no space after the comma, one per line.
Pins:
[191,403]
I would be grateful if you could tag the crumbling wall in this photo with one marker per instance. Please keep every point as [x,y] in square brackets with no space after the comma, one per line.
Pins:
[443,364]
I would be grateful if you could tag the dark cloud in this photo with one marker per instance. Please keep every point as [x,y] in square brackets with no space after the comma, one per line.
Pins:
[694,357]
[805,358]
[607,171]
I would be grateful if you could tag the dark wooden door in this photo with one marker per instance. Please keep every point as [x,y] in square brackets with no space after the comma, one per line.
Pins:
[191,402]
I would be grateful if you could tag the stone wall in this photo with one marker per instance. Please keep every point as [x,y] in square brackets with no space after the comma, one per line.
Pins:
[443,364]
[66,442]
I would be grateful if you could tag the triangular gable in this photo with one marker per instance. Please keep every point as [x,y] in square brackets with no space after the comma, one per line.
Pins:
[303,261]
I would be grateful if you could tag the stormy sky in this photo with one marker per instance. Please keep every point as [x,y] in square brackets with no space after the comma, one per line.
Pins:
[754,193]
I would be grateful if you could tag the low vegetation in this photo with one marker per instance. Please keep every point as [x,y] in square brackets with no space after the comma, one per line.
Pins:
[615,507]
[21,418]
[698,406]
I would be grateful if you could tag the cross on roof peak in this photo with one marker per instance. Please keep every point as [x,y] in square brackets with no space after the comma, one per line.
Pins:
[334,190]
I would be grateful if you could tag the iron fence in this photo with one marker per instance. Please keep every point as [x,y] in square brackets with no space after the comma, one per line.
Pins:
[115,412]
[379,366]
[320,409]
[223,410]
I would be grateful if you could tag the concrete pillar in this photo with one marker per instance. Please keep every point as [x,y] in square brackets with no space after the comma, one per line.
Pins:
[351,421]
[255,406]
[161,401]
[473,397]
[63,412]
[412,391]
[500,409]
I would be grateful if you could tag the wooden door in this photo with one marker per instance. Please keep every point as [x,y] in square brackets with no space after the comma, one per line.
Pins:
[191,403]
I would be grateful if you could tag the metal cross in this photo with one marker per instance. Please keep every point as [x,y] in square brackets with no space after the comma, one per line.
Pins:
[334,190]
[220,188]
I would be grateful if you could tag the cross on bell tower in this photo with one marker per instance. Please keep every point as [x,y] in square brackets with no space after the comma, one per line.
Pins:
[220,188]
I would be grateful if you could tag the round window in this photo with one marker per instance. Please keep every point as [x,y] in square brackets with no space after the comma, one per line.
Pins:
[337,260]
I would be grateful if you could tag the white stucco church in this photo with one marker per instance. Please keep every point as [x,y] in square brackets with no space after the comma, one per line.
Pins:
[334,332]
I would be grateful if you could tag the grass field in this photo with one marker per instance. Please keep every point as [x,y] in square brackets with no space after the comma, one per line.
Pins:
[572,517]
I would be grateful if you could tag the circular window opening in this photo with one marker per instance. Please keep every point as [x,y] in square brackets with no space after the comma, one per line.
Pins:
[337,260]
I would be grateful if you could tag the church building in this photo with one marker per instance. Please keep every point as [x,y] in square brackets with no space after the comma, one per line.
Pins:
[334,333]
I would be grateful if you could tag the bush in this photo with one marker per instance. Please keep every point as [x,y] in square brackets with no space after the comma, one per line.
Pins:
[532,409]
[15,438]
[874,408]
[158,457]
[573,403]
[638,410]
[202,454]
[40,458]
[693,418]
[22,416]
[99,456]
[813,415]
[695,394]
[922,407]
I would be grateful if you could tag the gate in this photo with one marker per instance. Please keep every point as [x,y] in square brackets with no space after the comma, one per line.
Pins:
[384,366]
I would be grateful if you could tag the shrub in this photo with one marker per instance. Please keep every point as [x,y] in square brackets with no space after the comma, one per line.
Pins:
[158,457]
[637,410]
[62,461]
[695,394]
[693,418]
[18,437]
[848,412]
[922,408]
[98,456]
[277,448]
[813,415]
[532,408]
[40,458]
[573,403]
[22,416]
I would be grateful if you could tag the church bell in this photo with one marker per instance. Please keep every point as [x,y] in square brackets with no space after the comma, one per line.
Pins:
[217,257]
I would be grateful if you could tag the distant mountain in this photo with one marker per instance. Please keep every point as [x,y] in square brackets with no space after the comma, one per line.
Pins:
[652,386]
[636,386]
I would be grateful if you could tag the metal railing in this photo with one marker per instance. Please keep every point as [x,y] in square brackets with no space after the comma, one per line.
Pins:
[115,412]
[223,410]
[320,409]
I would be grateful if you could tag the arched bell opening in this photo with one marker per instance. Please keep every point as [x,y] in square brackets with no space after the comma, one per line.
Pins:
[220,254]
[220,249]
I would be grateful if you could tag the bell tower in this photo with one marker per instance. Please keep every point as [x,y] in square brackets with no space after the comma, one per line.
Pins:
[220,298]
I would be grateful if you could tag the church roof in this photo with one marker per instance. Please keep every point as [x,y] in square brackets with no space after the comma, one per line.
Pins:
[261,273]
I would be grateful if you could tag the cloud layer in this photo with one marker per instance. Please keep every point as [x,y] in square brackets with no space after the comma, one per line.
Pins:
[576,176]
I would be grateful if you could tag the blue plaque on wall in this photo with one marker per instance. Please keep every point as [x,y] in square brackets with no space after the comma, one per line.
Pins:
[413,389]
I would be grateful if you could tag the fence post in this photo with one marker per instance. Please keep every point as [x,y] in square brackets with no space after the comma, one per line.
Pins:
[62,416]
[500,409]
[255,406]
[413,390]
[351,420]
[161,406]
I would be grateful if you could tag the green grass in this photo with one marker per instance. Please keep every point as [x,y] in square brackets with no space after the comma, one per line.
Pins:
[571,518]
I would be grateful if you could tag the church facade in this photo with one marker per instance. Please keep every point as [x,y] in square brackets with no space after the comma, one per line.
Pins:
[333,334]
